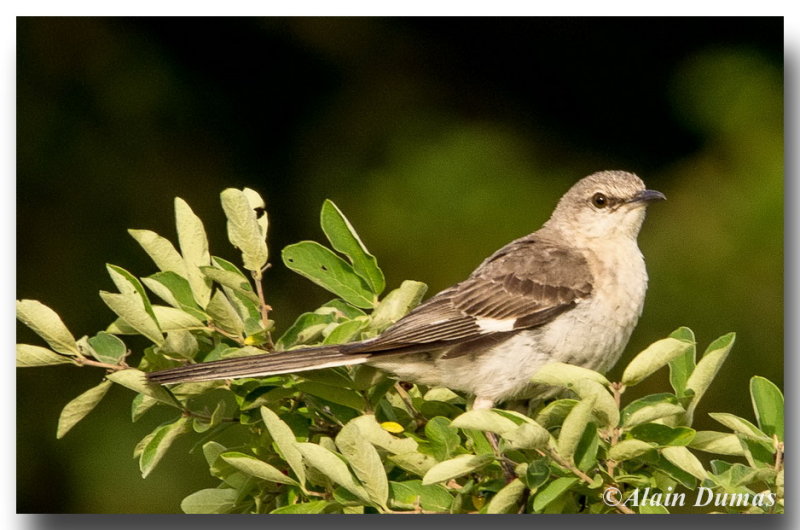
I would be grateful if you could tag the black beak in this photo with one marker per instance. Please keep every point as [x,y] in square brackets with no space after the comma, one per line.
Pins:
[648,196]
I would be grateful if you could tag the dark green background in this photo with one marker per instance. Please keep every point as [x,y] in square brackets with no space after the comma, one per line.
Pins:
[441,139]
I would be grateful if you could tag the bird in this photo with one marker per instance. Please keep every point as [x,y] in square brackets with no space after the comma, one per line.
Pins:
[570,292]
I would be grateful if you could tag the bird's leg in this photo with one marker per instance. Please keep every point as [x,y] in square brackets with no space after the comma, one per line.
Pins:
[486,404]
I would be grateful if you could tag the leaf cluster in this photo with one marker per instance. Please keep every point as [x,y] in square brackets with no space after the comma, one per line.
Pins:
[350,440]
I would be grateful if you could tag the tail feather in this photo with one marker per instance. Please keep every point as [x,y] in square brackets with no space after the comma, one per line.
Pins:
[264,365]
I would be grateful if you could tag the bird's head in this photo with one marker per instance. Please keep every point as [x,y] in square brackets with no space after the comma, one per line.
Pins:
[607,205]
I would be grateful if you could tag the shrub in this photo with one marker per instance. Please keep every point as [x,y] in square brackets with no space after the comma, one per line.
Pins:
[350,440]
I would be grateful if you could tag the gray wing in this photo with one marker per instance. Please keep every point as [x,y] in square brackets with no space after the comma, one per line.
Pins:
[525,284]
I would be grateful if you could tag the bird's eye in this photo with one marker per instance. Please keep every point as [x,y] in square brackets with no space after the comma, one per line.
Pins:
[599,200]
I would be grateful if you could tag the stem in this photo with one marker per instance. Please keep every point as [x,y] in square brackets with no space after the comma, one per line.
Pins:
[108,366]
[616,389]
[237,339]
[585,478]
[263,307]
[778,452]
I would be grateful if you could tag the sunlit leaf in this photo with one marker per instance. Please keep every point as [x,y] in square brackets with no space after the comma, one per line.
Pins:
[160,250]
[455,467]
[48,325]
[252,466]
[244,231]
[29,356]
[285,440]
[194,248]
[210,500]
[155,449]
[768,406]
[344,239]
[333,467]
[654,357]
[329,271]
[78,408]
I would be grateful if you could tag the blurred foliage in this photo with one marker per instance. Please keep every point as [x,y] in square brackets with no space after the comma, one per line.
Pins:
[442,138]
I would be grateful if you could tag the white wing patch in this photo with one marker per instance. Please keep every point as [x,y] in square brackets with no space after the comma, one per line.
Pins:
[493,325]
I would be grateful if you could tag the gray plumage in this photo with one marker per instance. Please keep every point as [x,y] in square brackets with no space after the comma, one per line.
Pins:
[571,292]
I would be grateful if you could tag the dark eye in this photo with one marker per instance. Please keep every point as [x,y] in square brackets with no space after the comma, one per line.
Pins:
[599,200]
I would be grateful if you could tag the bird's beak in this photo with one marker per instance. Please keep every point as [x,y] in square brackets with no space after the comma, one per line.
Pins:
[648,196]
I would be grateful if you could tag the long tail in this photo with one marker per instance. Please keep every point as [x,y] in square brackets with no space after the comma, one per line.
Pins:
[313,358]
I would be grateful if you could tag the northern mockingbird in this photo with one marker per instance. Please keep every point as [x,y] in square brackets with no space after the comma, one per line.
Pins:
[571,292]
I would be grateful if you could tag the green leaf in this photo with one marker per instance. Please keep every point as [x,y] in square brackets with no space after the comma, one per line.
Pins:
[346,332]
[329,271]
[155,449]
[371,430]
[551,492]
[48,325]
[129,308]
[210,500]
[78,408]
[768,406]
[507,499]
[137,381]
[528,436]
[284,438]
[29,356]
[706,371]
[140,405]
[649,408]
[230,279]
[554,413]
[628,449]
[201,425]
[484,420]
[574,425]
[663,434]
[108,348]
[333,467]
[160,250]
[536,474]
[654,357]
[684,459]
[173,319]
[681,367]
[741,426]
[456,467]
[194,247]
[604,405]
[414,462]
[129,284]
[224,315]
[567,375]
[341,396]
[172,288]
[298,333]
[244,231]
[586,452]
[443,437]
[344,239]
[411,493]
[721,443]
[254,467]
[365,462]
[180,343]
[303,507]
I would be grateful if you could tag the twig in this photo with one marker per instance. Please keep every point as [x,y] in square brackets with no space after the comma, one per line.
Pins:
[263,307]
[108,366]
[587,479]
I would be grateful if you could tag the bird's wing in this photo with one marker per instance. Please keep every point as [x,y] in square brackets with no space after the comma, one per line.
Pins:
[525,284]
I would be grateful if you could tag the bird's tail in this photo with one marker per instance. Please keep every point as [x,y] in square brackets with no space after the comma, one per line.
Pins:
[313,358]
